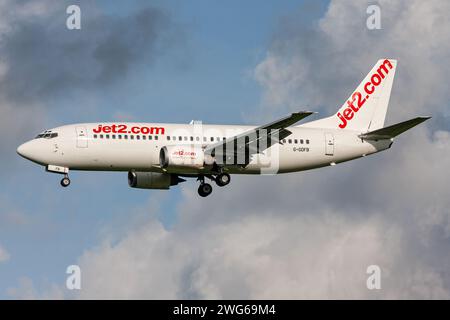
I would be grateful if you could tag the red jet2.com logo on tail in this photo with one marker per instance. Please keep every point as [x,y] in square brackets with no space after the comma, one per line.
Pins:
[369,88]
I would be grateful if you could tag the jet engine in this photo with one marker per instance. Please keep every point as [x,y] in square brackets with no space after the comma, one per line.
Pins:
[187,156]
[152,180]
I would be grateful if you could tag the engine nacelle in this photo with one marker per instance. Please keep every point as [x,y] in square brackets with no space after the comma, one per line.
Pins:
[152,180]
[183,156]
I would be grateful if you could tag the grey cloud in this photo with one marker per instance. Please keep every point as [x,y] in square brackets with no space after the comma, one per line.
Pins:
[43,64]
[45,59]
[320,66]
[307,235]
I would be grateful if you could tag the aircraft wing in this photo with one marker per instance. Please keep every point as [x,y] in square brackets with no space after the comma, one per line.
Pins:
[256,140]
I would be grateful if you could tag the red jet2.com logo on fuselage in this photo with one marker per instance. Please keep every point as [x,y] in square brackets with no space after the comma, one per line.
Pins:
[357,97]
[123,128]
[184,153]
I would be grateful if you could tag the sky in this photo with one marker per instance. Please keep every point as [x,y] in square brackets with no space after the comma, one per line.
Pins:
[303,235]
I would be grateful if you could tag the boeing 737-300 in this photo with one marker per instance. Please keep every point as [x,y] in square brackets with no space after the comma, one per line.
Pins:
[160,155]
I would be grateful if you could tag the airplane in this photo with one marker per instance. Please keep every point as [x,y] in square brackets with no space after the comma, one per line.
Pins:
[162,155]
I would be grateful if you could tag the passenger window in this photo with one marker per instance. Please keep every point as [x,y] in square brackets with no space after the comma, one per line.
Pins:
[290,141]
[119,136]
[113,136]
[138,137]
[174,138]
[125,137]
[131,137]
[180,138]
[192,138]
[212,139]
[156,137]
[284,140]
[168,137]
[204,139]
[197,138]
[185,138]
[107,136]
[295,141]
[307,141]
[150,137]
[101,136]
[95,136]
[301,141]
[144,137]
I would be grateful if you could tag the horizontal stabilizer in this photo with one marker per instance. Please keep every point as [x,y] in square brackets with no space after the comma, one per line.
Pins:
[394,130]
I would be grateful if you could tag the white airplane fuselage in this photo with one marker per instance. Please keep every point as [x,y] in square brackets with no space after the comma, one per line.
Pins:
[78,147]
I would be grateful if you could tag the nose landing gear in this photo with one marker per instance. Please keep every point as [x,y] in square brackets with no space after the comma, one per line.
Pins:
[65,182]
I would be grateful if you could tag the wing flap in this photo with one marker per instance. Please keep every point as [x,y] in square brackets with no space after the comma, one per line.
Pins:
[256,140]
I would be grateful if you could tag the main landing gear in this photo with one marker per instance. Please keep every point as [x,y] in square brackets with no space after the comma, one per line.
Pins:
[222,179]
[205,189]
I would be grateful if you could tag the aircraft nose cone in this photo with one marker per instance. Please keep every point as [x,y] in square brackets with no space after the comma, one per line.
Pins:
[21,149]
[24,150]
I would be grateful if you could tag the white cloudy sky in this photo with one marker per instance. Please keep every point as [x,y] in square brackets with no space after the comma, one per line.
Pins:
[304,235]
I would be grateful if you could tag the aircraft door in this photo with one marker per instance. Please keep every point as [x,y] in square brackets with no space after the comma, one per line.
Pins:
[82,141]
[329,144]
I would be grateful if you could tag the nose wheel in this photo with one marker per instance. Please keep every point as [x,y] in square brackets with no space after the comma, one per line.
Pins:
[65,182]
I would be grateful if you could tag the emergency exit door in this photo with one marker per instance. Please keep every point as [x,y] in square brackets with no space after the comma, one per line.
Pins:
[329,144]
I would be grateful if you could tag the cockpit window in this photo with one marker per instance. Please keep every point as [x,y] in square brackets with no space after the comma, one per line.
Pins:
[47,135]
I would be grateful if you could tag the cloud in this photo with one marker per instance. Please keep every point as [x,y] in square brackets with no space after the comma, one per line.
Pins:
[44,65]
[26,290]
[313,234]
[42,59]
[321,65]
[4,255]
[308,235]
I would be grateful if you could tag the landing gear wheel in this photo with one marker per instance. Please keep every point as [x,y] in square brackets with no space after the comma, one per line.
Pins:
[65,182]
[223,179]
[204,189]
